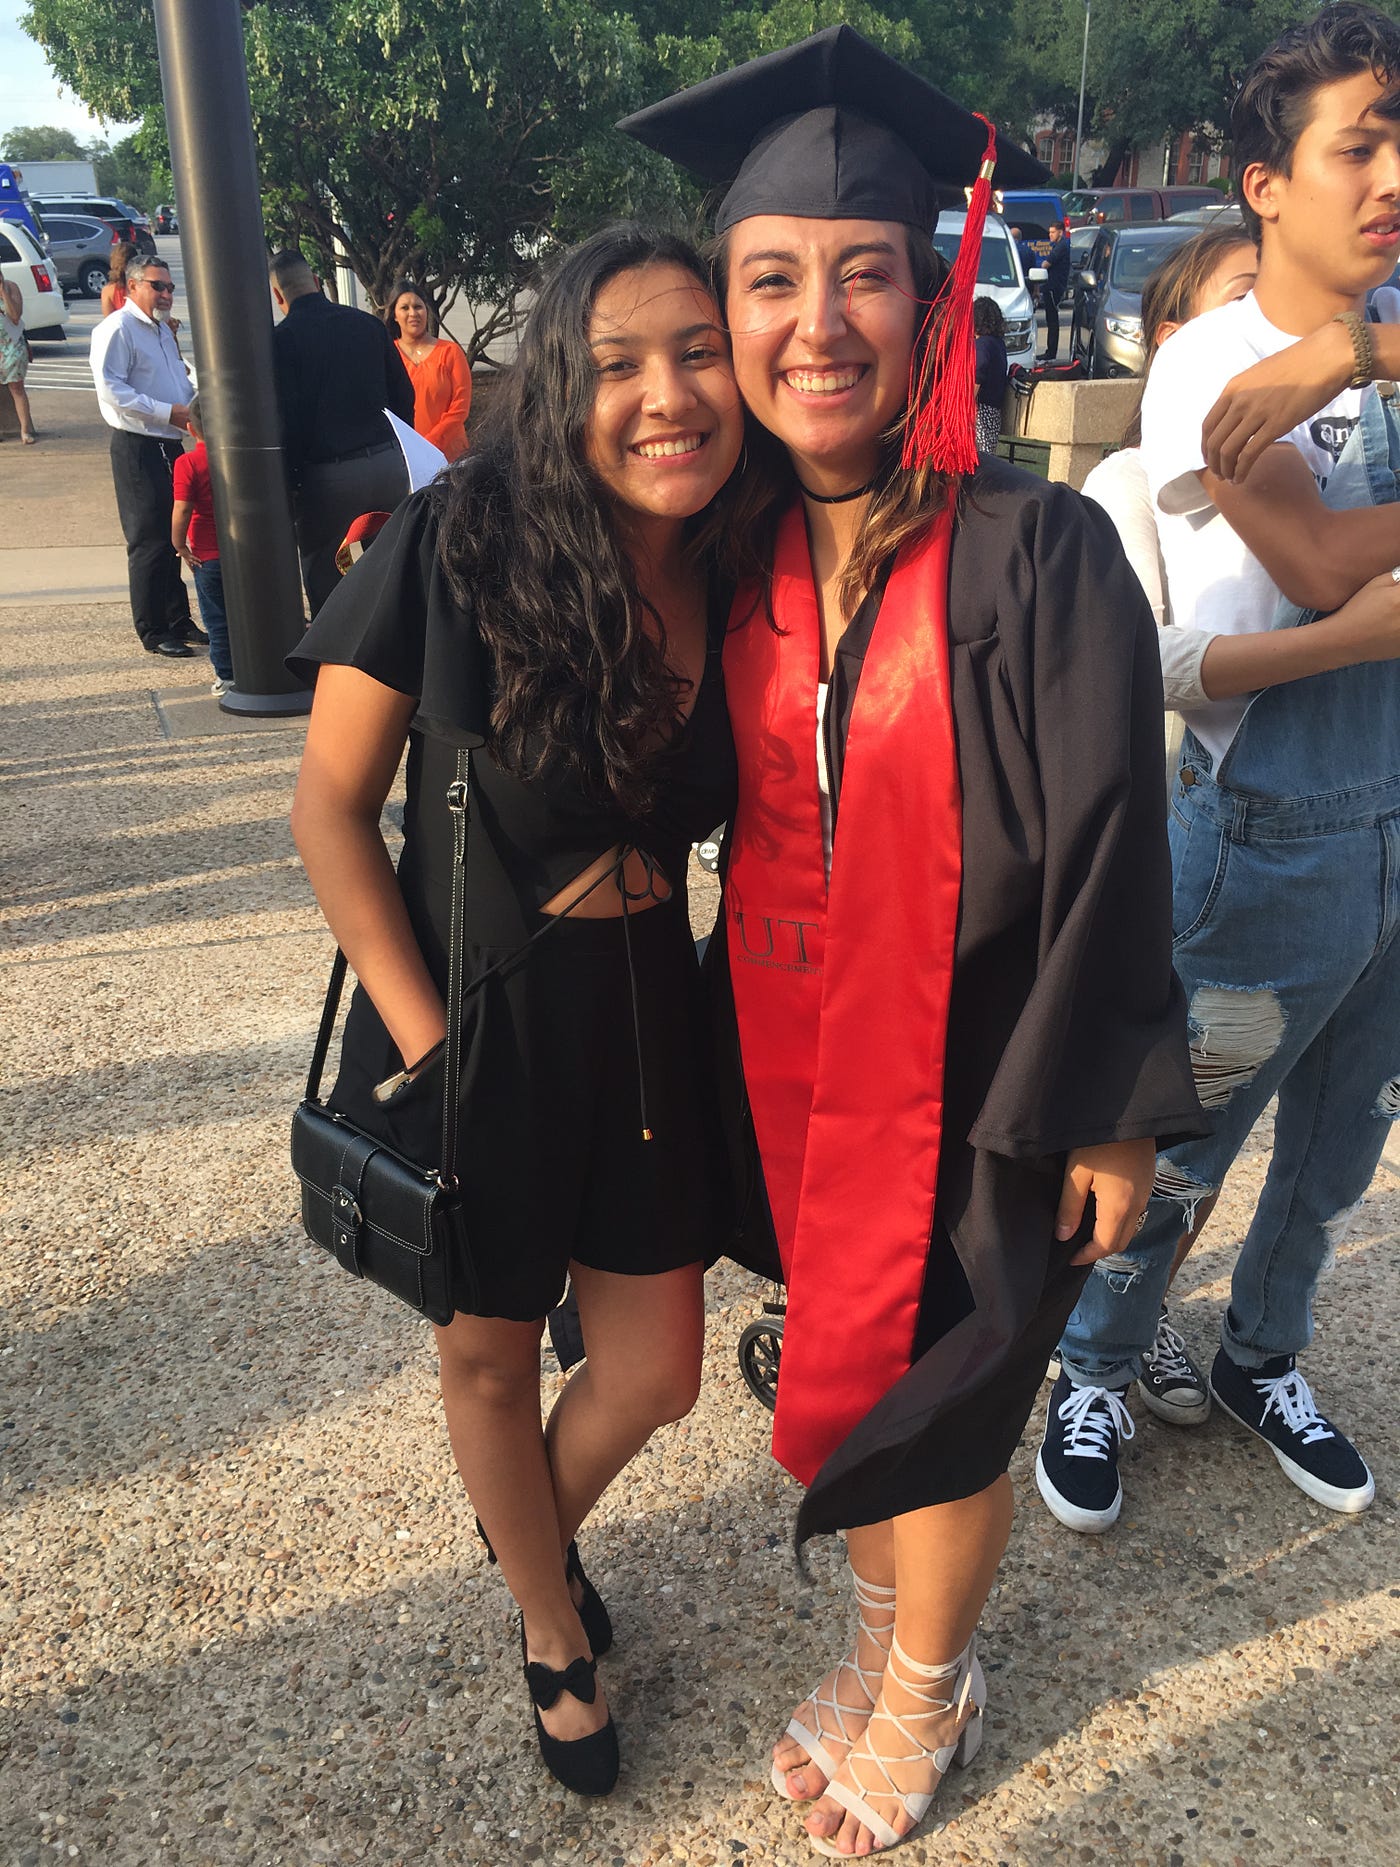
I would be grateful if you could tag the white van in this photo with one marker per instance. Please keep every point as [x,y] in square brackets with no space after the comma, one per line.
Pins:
[22,264]
[999,276]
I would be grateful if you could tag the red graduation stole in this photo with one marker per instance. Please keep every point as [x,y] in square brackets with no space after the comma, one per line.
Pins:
[842,993]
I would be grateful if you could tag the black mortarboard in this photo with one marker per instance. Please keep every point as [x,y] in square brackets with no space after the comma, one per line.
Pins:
[829,129]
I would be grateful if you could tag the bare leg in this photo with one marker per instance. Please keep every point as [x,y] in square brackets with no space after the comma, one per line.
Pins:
[838,1708]
[946,1558]
[26,419]
[644,1337]
[491,1397]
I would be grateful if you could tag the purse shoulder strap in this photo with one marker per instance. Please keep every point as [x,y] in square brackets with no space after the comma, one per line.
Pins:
[458,802]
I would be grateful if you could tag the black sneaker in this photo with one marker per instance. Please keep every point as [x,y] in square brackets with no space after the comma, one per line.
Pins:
[1077,1465]
[1171,1385]
[1275,1402]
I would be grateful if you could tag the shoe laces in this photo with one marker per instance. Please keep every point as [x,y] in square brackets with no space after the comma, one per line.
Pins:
[940,1693]
[871,1598]
[1290,1397]
[1168,1353]
[1092,1416]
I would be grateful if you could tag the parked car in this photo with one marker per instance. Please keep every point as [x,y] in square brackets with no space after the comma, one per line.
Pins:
[128,223]
[166,219]
[23,264]
[1106,329]
[1081,239]
[1032,210]
[1097,207]
[80,252]
[1222,214]
[999,276]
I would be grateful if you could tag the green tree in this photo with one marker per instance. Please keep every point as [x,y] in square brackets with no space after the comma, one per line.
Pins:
[455,140]
[124,169]
[1156,68]
[43,142]
[450,143]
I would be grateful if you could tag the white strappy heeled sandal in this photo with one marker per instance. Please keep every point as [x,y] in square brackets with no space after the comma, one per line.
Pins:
[871,1599]
[955,1695]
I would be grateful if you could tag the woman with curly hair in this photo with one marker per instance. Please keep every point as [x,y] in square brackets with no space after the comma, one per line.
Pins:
[549,602]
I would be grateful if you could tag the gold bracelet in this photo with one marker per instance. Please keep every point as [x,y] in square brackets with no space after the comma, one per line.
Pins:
[1363,356]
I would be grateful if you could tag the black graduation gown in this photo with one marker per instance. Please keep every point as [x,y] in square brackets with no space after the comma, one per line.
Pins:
[1067,1025]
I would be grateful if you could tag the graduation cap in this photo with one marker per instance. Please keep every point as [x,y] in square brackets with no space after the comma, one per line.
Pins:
[834,129]
[829,129]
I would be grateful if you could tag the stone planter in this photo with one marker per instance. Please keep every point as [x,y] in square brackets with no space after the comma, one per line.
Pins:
[1066,428]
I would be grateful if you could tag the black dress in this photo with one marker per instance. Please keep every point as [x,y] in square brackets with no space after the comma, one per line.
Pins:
[597,1030]
[1067,1026]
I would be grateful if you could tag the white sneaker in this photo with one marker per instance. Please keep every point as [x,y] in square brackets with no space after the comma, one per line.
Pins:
[220,687]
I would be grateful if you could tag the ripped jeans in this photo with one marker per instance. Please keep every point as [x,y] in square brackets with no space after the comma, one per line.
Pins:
[1285,914]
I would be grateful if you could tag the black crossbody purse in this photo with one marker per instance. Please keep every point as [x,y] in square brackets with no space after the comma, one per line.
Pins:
[383,1217]
[390,1220]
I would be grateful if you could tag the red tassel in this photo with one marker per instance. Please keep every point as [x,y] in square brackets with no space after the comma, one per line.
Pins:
[943,433]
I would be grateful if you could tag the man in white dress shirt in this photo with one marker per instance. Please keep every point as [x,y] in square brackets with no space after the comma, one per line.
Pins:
[144,391]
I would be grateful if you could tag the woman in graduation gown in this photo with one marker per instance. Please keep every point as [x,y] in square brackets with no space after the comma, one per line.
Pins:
[947,899]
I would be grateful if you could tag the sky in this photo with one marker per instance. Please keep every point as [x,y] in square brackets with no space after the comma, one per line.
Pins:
[29,92]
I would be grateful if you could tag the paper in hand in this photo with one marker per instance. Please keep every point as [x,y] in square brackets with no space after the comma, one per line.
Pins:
[424,461]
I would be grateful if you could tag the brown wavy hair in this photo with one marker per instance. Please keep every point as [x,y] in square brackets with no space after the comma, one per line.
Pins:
[1170,294]
[905,502]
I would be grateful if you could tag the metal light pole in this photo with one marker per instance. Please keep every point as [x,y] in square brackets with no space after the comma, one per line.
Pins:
[205,81]
[1083,73]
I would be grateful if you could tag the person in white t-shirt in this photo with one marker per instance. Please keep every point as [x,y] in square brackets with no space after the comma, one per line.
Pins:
[1286,908]
[1213,269]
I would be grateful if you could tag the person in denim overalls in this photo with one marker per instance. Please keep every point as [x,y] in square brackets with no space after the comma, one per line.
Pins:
[1286,910]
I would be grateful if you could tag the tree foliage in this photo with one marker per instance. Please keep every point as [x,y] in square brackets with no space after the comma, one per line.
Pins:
[454,141]
[41,142]
[1156,68]
[134,169]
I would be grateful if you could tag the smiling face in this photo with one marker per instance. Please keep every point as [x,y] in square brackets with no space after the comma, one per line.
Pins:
[822,316]
[1334,222]
[411,316]
[666,425]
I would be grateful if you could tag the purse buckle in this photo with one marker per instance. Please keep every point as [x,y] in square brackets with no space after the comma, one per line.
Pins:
[345,1209]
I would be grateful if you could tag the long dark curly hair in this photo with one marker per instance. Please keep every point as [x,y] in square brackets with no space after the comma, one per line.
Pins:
[530,548]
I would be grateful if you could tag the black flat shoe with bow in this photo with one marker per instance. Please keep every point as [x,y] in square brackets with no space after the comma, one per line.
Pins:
[587,1765]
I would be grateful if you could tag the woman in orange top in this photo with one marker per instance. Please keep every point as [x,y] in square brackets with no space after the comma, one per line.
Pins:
[437,367]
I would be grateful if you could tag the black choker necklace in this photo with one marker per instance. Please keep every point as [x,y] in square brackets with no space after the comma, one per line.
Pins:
[837,499]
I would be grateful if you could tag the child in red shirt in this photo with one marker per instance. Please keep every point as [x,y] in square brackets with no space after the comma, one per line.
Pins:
[193,535]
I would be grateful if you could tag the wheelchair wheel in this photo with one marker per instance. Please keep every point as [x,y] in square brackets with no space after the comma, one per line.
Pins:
[760,1353]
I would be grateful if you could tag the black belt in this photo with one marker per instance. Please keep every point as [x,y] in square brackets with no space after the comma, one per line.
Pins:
[355,453]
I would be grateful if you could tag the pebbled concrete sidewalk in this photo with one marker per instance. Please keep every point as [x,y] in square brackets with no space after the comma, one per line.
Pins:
[243,1616]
